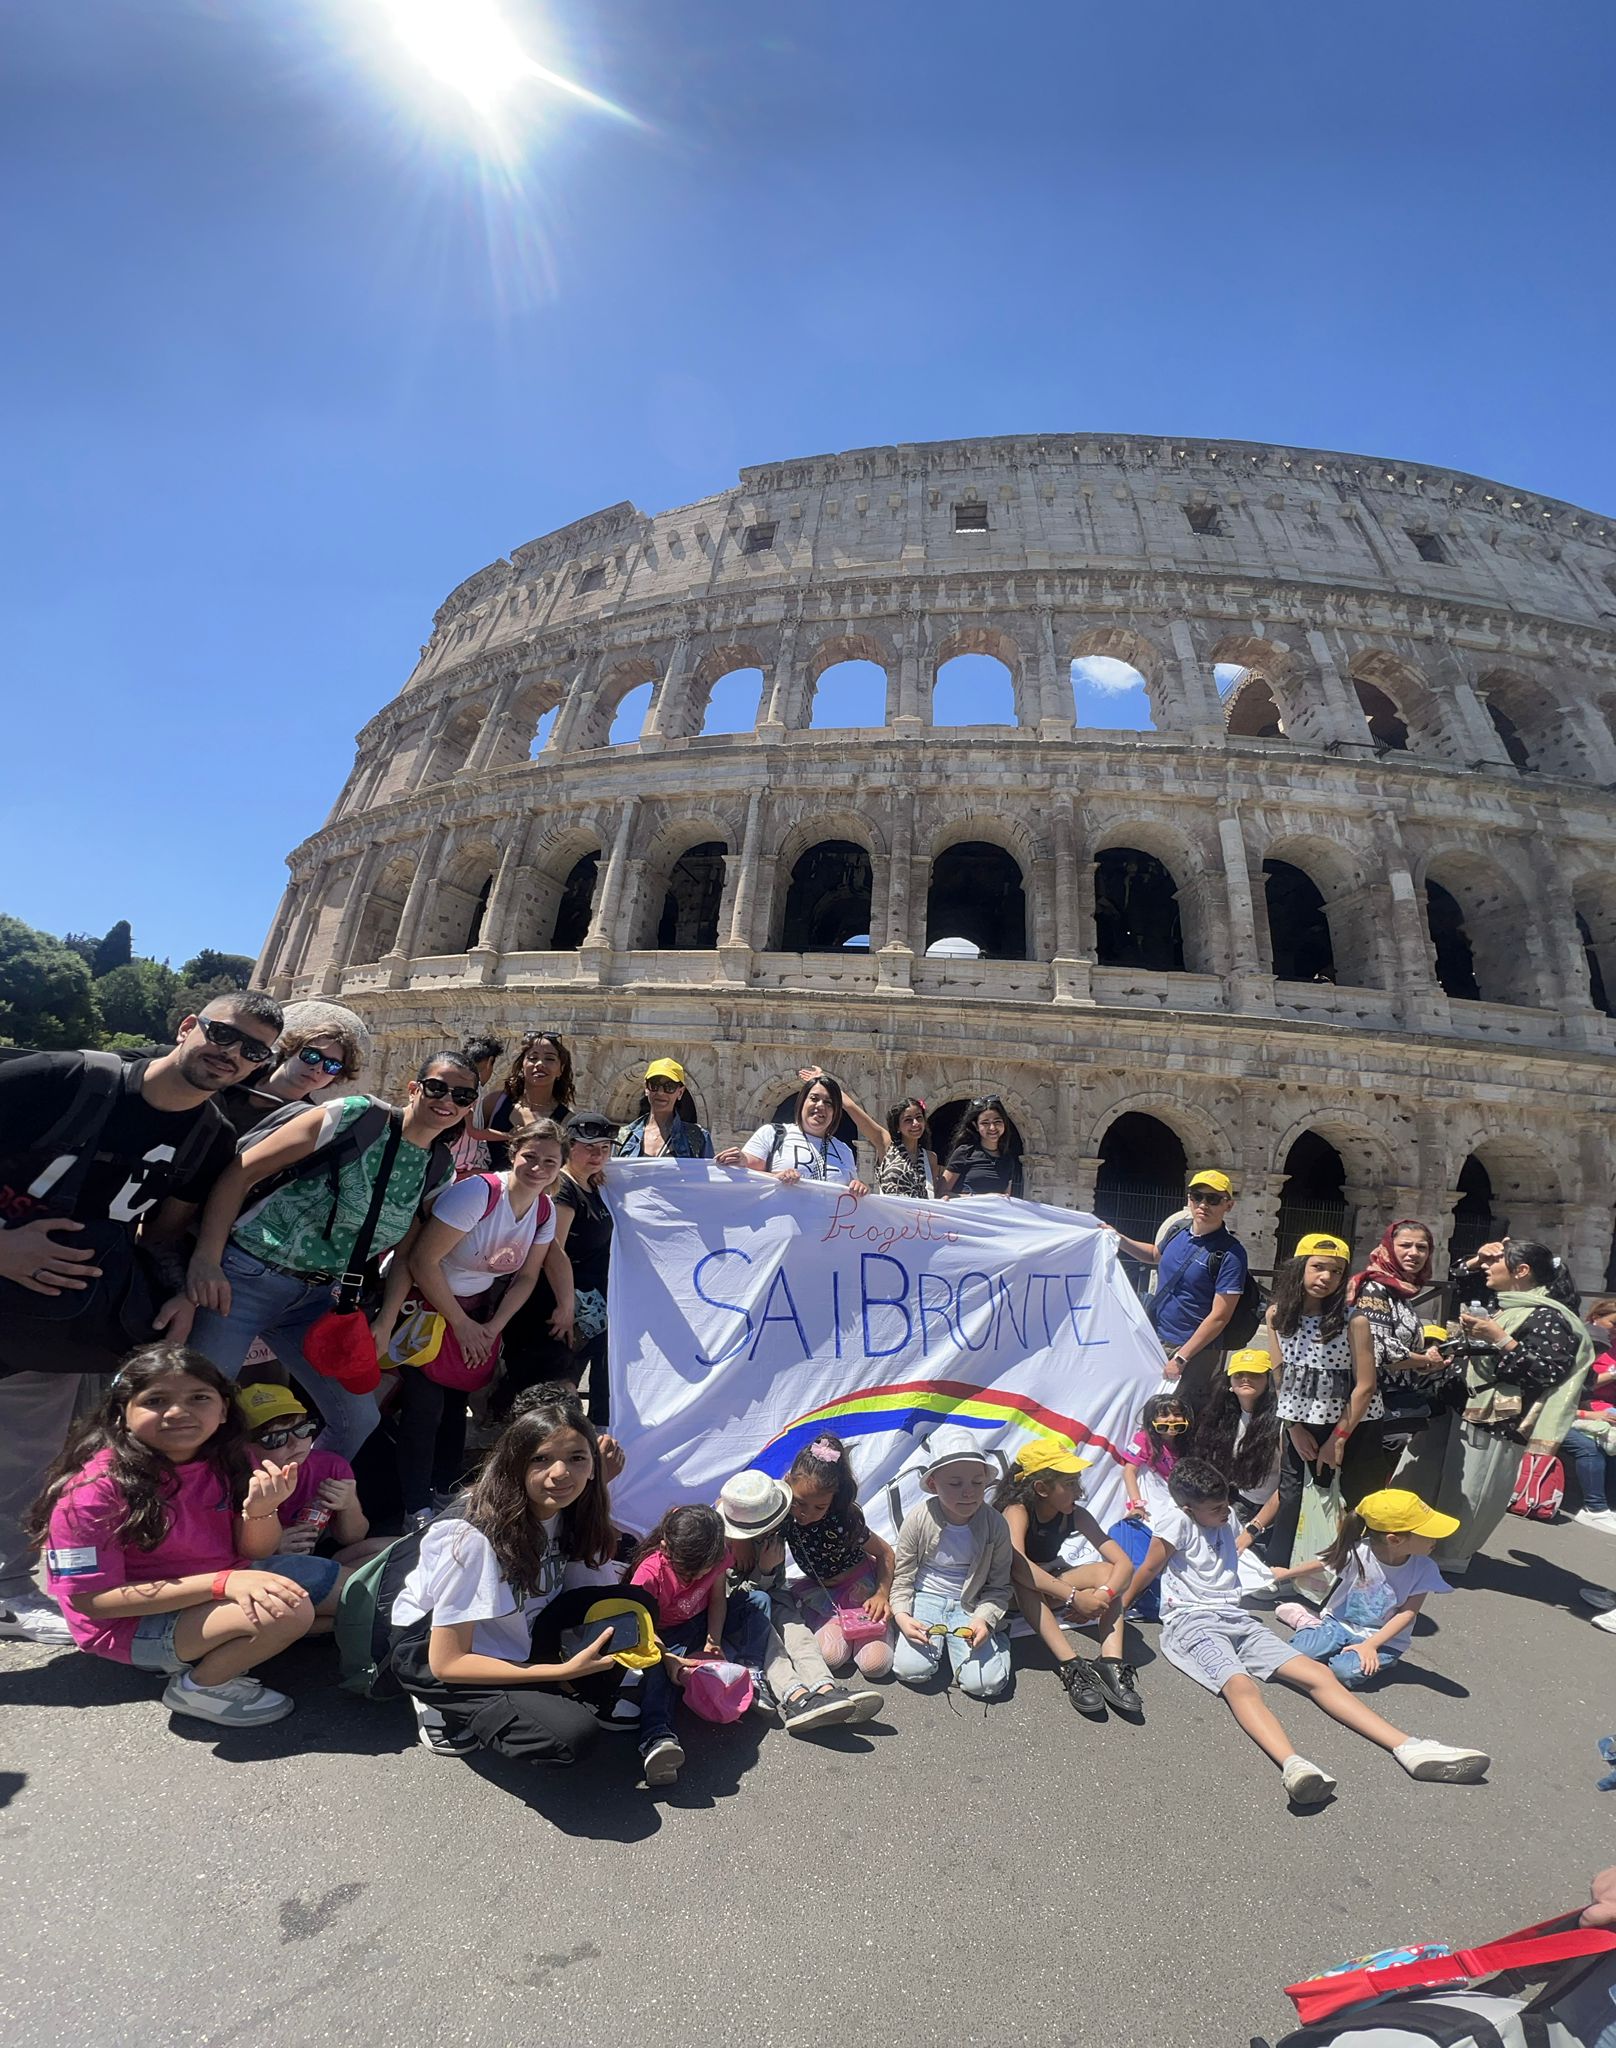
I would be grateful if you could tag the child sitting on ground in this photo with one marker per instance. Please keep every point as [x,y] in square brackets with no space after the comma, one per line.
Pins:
[752,1507]
[848,1567]
[322,1511]
[146,1517]
[1211,1639]
[1382,1558]
[1042,1504]
[952,1578]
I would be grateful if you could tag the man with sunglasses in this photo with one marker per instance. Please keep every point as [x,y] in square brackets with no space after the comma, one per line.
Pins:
[1201,1275]
[92,1160]
[321,1046]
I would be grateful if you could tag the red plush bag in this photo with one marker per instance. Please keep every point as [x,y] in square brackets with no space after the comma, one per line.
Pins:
[340,1346]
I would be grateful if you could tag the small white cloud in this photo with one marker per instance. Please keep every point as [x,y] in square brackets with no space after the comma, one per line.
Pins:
[1226,675]
[1105,675]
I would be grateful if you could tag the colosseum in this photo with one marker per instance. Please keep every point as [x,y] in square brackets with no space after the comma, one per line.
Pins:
[1338,910]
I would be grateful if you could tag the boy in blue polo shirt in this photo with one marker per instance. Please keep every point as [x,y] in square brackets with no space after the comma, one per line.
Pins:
[1201,1274]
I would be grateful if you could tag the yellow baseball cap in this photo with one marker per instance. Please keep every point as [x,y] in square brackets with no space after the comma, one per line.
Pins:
[665,1070]
[1253,1359]
[262,1404]
[1394,1510]
[641,1650]
[1209,1177]
[1434,1333]
[1319,1244]
[1045,1456]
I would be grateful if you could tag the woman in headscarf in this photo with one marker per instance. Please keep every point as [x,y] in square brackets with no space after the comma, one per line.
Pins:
[1419,1387]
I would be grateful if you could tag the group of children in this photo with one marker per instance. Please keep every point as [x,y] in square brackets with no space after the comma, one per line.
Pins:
[192,1529]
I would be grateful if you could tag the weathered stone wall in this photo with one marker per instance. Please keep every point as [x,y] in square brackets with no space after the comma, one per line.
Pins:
[1307,570]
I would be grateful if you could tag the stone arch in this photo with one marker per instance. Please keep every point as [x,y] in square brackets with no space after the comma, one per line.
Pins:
[1143,1170]
[1122,643]
[1534,726]
[595,724]
[1524,1188]
[460,898]
[1521,1164]
[1392,692]
[999,645]
[1205,1139]
[527,725]
[980,886]
[1494,935]
[555,900]
[686,718]
[948,1089]
[829,899]
[1355,923]
[384,907]
[1267,702]
[832,653]
[1370,1155]
[1198,891]
[456,741]
[682,884]
[1593,903]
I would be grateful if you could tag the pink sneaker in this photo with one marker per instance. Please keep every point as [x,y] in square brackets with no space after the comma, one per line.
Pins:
[1294,1614]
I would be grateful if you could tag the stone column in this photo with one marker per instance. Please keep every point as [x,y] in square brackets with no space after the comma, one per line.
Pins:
[1256,1217]
[486,744]
[293,897]
[735,936]
[1422,1005]
[1476,734]
[429,744]
[575,705]
[1085,1183]
[1203,708]
[1074,961]
[1326,707]
[664,718]
[894,960]
[596,950]
[492,941]
[783,701]
[422,884]
[911,714]
[1584,1243]
[1057,707]
[1251,985]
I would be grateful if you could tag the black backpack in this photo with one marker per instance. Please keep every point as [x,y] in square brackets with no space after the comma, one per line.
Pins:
[1249,1310]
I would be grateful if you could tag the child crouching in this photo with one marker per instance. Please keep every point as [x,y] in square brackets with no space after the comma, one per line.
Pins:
[1385,1575]
[952,1582]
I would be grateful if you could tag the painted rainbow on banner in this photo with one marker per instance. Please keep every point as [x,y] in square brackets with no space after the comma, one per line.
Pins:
[875,1411]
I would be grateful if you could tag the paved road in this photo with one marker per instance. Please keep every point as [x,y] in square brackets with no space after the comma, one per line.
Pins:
[1014,1876]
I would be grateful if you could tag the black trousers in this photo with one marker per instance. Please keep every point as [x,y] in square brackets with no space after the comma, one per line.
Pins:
[534,1724]
[1366,1465]
[431,1438]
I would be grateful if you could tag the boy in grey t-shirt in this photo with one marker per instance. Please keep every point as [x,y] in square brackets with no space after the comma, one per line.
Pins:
[1210,1637]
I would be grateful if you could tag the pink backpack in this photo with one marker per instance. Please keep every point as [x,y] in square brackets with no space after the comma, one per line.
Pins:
[1539,1487]
[718,1690]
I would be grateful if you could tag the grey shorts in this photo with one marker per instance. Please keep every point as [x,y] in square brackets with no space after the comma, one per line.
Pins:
[1213,1646]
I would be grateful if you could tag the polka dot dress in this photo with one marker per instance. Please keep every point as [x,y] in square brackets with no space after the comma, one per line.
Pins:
[1317,1382]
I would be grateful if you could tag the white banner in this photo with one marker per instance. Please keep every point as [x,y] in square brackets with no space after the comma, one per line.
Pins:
[745,1317]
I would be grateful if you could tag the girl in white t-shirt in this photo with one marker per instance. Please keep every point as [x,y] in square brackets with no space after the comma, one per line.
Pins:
[474,1261]
[476,1626]
[807,1149]
[1385,1576]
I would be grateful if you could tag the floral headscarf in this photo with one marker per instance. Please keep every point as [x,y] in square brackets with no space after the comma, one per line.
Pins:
[1383,1265]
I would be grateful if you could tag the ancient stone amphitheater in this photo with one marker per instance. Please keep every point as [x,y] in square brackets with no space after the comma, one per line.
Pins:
[1343,917]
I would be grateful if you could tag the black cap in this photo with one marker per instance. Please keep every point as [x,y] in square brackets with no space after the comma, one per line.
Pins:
[590,1126]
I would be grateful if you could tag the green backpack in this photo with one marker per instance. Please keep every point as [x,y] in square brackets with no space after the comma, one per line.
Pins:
[363,1626]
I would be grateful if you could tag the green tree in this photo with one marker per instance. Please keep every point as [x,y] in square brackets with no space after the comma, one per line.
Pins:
[136,998]
[115,950]
[207,967]
[46,997]
[84,944]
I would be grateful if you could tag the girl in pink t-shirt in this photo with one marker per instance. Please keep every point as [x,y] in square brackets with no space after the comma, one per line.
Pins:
[151,1521]
[683,1565]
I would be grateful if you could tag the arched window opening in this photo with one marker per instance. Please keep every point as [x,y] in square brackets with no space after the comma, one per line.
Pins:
[1298,925]
[1387,727]
[378,925]
[1598,988]
[1473,1221]
[542,732]
[785,1112]
[850,694]
[1110,695]
[689,921]
[977,893]
[479,915]
[734,701]
[576,906]
[1250,708]
[1509,732]
[1455,956]
[1315,1194]
[1141,1181]
[1136,921]
[629,717]
[828,901]
[973,689]
[953,947]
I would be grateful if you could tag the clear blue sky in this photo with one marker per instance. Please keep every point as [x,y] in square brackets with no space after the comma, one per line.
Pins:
[281,362]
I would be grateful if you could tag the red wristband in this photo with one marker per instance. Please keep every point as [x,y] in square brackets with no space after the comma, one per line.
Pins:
[221,1581]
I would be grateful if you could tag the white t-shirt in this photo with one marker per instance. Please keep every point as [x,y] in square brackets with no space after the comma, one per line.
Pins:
[944,1573]
[494,1244]
[814,1158]
[457,1579]
[1203,1570]
[1368,1593]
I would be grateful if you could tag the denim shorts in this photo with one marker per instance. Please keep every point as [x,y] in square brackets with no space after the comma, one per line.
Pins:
[316,1575]
[153,1646]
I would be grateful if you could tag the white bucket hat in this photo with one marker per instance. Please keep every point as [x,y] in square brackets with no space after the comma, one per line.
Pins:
[752,1504]
[953,1444]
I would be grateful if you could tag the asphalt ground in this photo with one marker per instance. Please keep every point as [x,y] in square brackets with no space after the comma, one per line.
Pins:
[944,1873]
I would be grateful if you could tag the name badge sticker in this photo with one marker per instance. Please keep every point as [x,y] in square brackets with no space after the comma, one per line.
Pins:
[71,1564]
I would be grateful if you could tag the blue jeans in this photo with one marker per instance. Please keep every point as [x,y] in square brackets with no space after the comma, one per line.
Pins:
[282,1309]
[1333,1643]
[1587,1460]
[746,1639]
[983,1673]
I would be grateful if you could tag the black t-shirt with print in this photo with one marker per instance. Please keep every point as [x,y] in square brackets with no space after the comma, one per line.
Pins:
[36,1092]
[589,1236]
[829,1548]
[982,1172]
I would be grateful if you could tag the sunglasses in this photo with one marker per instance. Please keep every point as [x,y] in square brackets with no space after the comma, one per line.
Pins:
[1206,1201]
[311,1058]
[940,1628]
[1170,1425]
[228,1039]
[278,1439]
[542,1038]
[436,1090]
[661,1086]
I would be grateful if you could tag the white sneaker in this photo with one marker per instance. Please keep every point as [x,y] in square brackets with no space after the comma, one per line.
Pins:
[1440,1763]
[1607,1622]
[1597,1597]
[1601,1519]
[31,1618]
[1305,1784]
[663,1759]
[237,1703]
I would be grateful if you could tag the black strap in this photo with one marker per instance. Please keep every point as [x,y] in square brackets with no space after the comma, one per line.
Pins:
[775,1143]
[1425,2018]
[352,1282]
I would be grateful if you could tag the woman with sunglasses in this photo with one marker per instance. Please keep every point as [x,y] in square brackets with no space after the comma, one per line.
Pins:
[986,1155]
[266,1267]
[660,1129]
[321,1045]
[539,1085]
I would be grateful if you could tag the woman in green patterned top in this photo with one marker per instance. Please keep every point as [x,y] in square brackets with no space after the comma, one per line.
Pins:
[266,1268]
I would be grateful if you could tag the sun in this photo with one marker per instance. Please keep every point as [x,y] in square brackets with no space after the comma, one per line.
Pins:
[469,49]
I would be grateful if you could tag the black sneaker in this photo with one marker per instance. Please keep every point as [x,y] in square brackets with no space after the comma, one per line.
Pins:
[1119,1683]
[822,1709]
[435,1734]
[662,1759]
[1078,1675]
